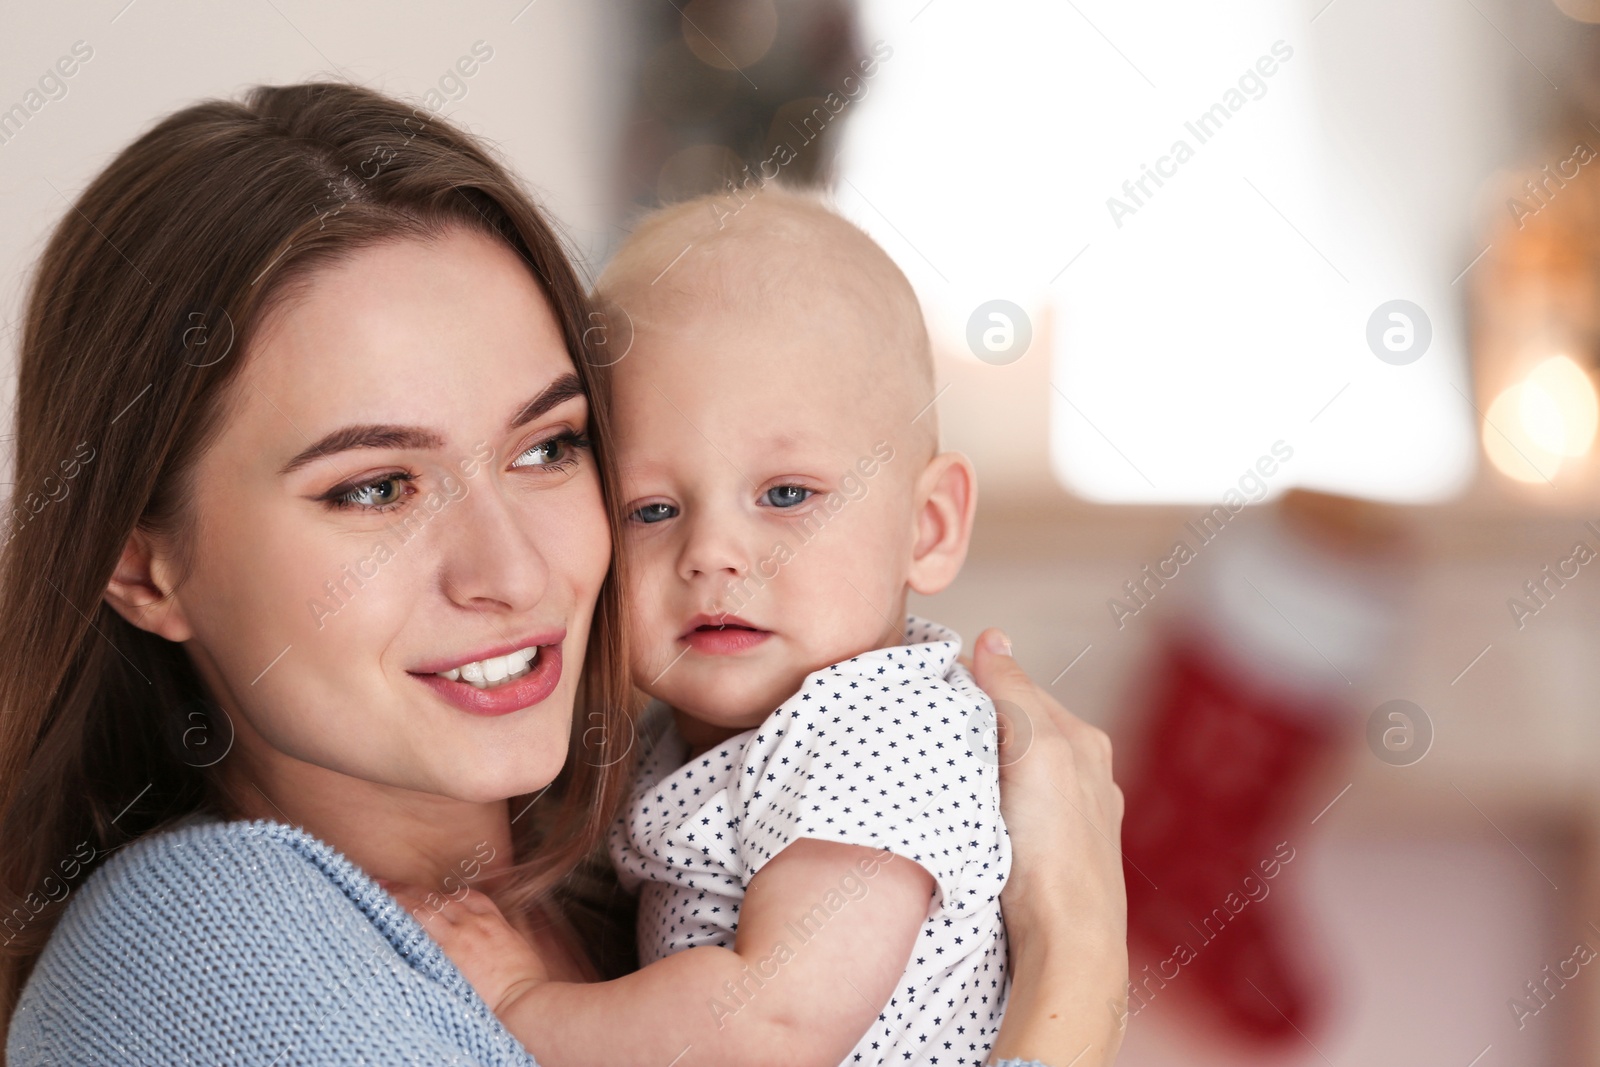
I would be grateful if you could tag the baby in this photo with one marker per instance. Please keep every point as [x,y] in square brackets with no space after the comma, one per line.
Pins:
[814,825]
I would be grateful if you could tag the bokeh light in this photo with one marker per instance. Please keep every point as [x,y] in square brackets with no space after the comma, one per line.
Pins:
[1533,425]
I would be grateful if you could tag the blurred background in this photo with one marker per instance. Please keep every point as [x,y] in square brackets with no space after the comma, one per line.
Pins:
[1272,331]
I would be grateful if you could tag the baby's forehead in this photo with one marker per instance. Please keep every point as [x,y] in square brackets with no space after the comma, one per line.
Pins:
[756,387]
[779,360]
[779,299]
[792,351]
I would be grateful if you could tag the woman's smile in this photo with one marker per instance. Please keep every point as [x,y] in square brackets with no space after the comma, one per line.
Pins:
[499,682]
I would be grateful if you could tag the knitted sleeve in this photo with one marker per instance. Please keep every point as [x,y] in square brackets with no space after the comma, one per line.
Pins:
[246,943]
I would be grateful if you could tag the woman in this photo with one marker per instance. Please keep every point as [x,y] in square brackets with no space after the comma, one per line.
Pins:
[308,418]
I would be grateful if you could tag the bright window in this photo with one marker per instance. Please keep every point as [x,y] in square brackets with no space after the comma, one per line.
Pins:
[1191,199]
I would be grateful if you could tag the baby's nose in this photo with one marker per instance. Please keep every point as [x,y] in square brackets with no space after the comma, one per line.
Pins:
[714,549]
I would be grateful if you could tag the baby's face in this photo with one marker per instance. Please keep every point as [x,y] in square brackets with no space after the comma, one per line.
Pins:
[770,495]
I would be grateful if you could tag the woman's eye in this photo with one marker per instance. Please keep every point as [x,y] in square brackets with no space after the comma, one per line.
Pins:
[654,513]
[377,495]
[555,452]
[787,496]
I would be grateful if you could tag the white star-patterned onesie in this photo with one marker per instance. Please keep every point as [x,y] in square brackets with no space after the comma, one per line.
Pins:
[893,749]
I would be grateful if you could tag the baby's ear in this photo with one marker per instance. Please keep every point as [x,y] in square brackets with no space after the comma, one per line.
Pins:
[947,494]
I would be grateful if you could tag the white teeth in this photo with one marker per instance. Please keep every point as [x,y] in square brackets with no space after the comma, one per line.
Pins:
[494,670]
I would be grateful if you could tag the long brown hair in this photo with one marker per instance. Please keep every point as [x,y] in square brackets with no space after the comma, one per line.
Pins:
[139,314]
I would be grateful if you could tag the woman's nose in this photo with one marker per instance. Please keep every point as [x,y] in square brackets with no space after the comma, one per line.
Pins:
[492,558]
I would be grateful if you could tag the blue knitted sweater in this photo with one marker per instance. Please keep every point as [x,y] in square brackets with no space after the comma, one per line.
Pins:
[246,943]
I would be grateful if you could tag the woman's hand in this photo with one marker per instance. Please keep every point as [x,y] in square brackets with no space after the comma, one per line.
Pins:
[1066,909]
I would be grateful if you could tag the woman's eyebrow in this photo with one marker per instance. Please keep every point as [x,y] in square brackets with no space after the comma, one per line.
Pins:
[556,393]
[553,395]
[371,436]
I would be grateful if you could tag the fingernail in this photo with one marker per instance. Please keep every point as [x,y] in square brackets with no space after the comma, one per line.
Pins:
[999,642]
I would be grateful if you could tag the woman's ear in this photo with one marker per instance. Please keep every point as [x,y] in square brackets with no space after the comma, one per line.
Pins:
[947,495]
[141,589]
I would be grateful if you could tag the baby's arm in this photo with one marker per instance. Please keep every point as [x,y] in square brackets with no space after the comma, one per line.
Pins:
[488,951]
[825,931]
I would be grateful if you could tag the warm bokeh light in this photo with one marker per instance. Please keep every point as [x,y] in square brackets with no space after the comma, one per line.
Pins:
[1559,408]
[1533,424]
[1508,447]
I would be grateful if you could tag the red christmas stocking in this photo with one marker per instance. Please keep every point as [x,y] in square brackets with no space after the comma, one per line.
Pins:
[1252,687]
[1204,848]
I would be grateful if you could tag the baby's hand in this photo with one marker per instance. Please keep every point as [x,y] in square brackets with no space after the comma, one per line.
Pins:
[484,946]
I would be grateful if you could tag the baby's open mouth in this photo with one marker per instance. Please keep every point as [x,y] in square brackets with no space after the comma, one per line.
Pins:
[701,624]
[722,634]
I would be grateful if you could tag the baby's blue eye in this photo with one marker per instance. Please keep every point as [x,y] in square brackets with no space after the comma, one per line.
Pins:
[787,496]
[654,513]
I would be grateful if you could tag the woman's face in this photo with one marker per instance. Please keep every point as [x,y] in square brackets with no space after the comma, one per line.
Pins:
[403,487]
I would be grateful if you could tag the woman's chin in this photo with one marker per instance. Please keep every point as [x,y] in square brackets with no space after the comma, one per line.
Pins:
[483,772]
[481,785]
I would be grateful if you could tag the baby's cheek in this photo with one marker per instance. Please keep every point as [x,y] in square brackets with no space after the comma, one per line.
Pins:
[844,592]
[650,633]
[649,577]
[864,544]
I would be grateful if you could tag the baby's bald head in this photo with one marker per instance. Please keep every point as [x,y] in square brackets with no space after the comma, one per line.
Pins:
[785,262]
[776,449]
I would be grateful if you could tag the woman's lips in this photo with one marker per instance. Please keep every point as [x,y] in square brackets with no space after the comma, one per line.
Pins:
[544,674]
[724,640]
